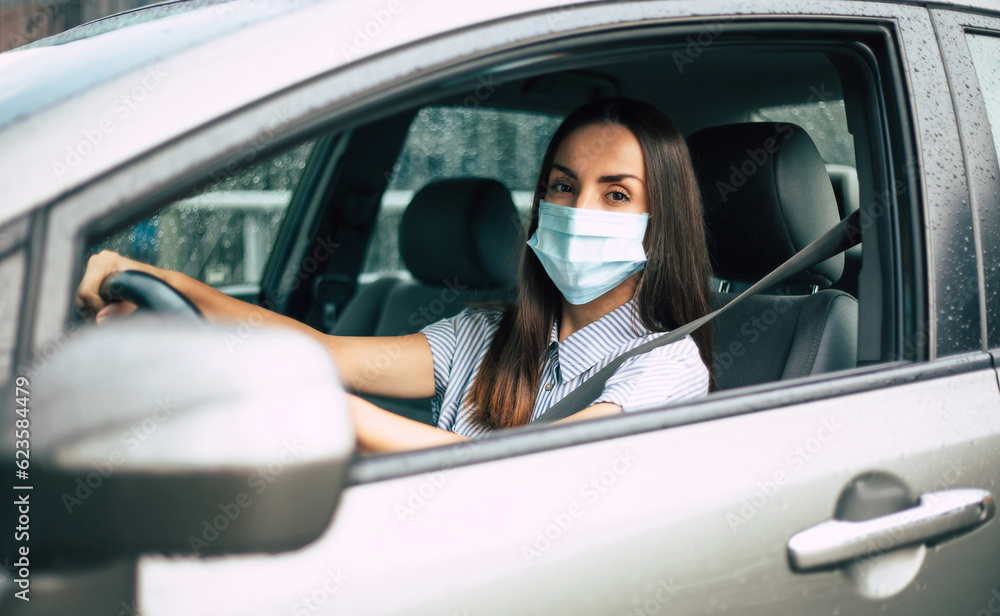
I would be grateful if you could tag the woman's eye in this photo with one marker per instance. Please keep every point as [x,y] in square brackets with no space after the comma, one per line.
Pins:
[618,196]
[560,187]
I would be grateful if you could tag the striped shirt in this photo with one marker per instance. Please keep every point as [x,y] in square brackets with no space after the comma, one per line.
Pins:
[668,373]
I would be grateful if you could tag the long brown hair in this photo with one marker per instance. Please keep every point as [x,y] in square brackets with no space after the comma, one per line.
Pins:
[672,289]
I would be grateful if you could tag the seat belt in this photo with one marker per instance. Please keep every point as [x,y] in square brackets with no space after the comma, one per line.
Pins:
[835,241]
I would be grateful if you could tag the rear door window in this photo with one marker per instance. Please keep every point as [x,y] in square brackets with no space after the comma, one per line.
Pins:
[985,52]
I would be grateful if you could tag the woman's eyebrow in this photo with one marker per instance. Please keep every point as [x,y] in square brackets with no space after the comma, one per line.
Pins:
[604,179]
[611,179]
[565,170]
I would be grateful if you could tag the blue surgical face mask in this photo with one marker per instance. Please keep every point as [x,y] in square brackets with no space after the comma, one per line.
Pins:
[587,253]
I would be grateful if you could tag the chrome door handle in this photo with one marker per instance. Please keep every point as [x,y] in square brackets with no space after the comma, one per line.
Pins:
[936,515]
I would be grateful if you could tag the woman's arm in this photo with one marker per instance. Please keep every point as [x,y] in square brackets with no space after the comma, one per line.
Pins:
[601,409]
[379,430]
[397,366]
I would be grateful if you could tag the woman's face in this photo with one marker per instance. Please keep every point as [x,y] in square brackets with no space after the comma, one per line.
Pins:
[599,167]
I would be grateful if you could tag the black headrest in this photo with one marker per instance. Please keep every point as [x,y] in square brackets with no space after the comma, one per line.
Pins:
[464,229]
[767,195]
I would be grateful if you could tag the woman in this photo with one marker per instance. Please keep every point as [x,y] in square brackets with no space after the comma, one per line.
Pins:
[616,256]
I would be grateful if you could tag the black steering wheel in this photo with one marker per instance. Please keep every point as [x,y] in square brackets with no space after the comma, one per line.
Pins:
[148,293]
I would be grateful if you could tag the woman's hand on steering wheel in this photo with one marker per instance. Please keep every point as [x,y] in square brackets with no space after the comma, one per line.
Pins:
[114,285]
[89,301]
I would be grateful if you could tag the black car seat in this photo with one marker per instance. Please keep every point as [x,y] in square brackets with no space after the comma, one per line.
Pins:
[460,240]
[767,195]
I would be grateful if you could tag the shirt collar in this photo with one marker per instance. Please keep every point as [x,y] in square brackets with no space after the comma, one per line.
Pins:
[583,349]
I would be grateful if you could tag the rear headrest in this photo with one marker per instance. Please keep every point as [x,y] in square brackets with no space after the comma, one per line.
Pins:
[767,195]
[461,229]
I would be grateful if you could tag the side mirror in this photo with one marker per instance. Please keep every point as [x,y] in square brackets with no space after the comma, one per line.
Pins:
[167,436]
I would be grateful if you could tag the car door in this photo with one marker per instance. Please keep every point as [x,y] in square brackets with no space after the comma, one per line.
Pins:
[694,509]
[688,509]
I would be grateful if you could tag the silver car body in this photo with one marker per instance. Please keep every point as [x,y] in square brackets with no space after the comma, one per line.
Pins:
[685,511]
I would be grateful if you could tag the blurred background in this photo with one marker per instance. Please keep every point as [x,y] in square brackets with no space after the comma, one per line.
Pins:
[25,22]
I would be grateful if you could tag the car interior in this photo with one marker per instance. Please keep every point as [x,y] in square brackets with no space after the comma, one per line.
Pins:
[424,202]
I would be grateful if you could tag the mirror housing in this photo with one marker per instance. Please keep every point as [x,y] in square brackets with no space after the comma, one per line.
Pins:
[176,437]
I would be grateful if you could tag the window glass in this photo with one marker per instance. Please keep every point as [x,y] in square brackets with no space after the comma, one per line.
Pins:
[446,142]
[985,52]
[223,235]
[824,121]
